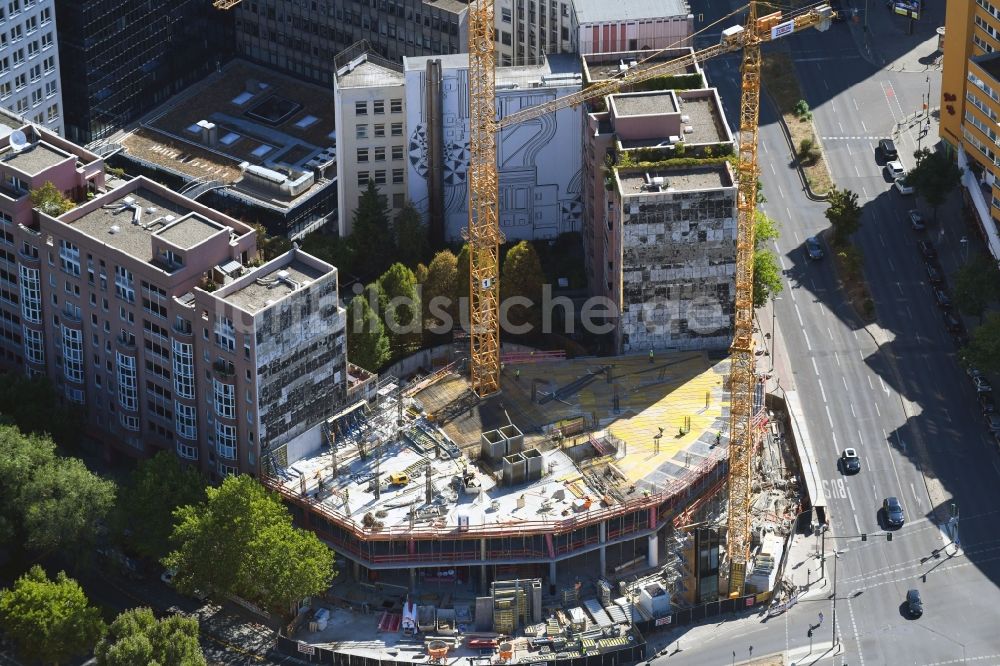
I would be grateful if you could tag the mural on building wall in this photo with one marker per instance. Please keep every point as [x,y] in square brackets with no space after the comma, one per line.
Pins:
[539,162]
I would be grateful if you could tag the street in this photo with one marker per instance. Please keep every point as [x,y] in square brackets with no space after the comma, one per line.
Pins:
[893,390]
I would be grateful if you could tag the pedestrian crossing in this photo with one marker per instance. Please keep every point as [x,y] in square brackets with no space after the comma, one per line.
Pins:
[850,138]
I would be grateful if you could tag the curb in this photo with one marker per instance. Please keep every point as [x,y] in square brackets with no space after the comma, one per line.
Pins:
[812,196]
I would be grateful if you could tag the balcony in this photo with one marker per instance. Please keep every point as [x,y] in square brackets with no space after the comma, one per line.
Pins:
[182,331]
[125,343]
[224,369]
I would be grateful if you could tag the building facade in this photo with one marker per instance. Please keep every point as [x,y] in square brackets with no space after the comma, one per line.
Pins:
[123,57]
[370,114]
[304,38]
[538,161]
[528,29]
[660,239]
[29,63]
[147,310]
[598,26]
[970,107]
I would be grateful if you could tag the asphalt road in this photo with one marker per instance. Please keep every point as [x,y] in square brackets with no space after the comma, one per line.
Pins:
[895,391]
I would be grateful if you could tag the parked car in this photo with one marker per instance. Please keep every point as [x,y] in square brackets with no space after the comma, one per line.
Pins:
[952,323]
[916,220]
[888,149]
[942,299]
[914,606]
[902,187]
[982,384]
[893,512]
[933,274]
[814,248]
[993,422]
[850,462]
[927,250]
[895,169]
[986,402]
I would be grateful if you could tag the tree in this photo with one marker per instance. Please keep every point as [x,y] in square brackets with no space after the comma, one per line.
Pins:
[808,151]
[522,277]
[20,456]
[844,215]
[367,342]
[241,541]
[983,351]
[269,247]
[49,620]
[420,273]
[50,200]
[334,250]
[137,637]
[398,301]
[146,506]
[412,244]
[441,284]
[766,270]
[934,177]
[462,274]
[977,284]
[372,242]
[33,406]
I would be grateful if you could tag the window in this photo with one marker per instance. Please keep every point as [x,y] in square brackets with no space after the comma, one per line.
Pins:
[225,399]
[362,155]
[34,345]
[72,340]
[5,61]
[20,81]
[35,72]
[127,393]
[505,14]
[187,451]
[69,258]
[225,441]
[129,422]
[225,333]
[361,108]
[53,113]
[227,470]
[378,107]
[16,33]
[380,177]
[5,90]
[397,153]
[396,105]
[380,154]
[505,38]
[49,64]
[45,15]
[379,131]
[186,420]
[46,40]
[396,129]
[397,176]
[13,7]
[36,97]
[33,48]
[154,299]
[31,24]
[363,178]
[124,284]
[183,369]
[361,131]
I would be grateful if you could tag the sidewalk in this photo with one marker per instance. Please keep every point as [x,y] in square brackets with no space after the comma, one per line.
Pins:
[920,50]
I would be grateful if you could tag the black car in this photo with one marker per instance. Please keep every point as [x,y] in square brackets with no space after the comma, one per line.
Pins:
[893,511]
[917,221]
[986,402]
[814,248]
[888,149]
[933,274]
[927,250]
[942,299]
[914,606]
[952,323]
[993,422]
[850,461]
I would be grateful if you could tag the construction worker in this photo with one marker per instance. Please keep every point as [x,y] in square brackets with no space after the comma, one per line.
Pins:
[650,355]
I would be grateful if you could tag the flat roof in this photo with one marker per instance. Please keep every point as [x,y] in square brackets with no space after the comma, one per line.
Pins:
[113,225]
[990,63]
[682,179]
[603,66]
[370,73]
[554,64]
[602,11]
[34,159]
[264,287]
[645,104]
[190,230]
[450,6]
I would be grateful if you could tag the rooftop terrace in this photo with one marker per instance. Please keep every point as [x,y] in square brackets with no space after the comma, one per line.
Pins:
[603,66]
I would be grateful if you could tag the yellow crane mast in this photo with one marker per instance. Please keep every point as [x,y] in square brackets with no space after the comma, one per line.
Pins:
[485,237]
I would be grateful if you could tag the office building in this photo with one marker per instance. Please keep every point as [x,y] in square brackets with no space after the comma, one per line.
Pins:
[970,107]
[123,57]
[29,63]
[598,26]
[528,29]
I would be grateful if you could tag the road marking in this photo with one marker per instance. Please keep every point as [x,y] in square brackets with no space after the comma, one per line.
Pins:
[845,383]
[914,490]
[877,410]
[891,267]
[889,449]
[808,345]
[763,144]
[857,527]
[853,99]
[851,153]
[900,287]
[828,417]
[857,170]
[829,332]
[822,392]
[964,660]
[815,367]
[832,432]
[865,127]
[884,387]
[870,382]
[772,169]
[825,84]
[880,239]
[839,124]
[853,414]
[836,356]
[863,190]
[850,498]
[781,259]
[855,334]
[908,313]
[799,315]
[798,239]
[787,212]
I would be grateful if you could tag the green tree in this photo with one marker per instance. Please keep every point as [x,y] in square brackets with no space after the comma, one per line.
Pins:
[462,273]
[977,284]
[269,247]
[146,505]
[49,620]
[20,456]
[440,289]
[137,637]
[522,277]
[398,301]
[412,244]
[844,215]
[983,351]
[332,249]
[33,406]
[241,541]
[367,342]
[766,270]
[934,177]
[50,200]
[420,273]
[372,241]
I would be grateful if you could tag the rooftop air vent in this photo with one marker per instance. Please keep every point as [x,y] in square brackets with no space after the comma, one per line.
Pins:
[685,119]
[151,210]
[282,275]
[688,129]
[114,229]
[128,201]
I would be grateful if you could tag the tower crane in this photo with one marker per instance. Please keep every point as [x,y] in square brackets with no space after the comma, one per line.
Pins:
[484,235]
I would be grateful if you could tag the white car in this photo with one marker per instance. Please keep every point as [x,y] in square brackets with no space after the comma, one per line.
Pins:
[903,188]
[895,169]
